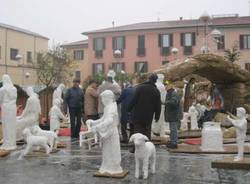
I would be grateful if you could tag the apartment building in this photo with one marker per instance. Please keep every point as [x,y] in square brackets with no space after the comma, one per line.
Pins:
[144,47]
[78,51]
[18,49]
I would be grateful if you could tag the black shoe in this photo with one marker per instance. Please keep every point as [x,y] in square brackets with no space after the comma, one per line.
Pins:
[172,146]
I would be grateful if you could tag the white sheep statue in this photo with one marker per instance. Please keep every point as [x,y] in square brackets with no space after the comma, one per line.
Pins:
[145,152]
[34,141]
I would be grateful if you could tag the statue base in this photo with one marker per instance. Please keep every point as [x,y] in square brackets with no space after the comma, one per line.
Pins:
[4,153]
[229,163]
[108,175]
[159,140]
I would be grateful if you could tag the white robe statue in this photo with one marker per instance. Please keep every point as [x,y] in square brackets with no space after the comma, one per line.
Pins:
[193,113]
[161,127]
[241,129]
[57,94]
[55,116]
[106,127]
[31,113]
[8,96]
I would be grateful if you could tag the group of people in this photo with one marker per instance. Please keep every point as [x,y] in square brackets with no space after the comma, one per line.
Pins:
[139,105]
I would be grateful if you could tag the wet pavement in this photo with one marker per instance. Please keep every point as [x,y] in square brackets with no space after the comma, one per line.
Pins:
[75,165]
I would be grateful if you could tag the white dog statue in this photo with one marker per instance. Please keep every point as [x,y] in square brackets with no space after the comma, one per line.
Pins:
[34,141]
[241,128]
[145,152]
[50,135]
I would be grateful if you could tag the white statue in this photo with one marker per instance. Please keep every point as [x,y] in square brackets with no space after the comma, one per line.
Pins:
[8,96]
[34,141]
[241,128]
[51,136]
[57,94]
[56,115]
[212,137]
[185,120]
[31,113]
[144,152]
[193,113]
[106,127]
[160,127]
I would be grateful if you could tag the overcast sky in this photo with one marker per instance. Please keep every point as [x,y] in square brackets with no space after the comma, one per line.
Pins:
[64,20]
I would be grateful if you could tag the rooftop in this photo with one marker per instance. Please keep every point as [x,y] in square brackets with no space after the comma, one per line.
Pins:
[216,21]
[25,31]
[77,43]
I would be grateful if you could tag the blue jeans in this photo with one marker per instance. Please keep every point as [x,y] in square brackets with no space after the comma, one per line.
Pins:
[173,133]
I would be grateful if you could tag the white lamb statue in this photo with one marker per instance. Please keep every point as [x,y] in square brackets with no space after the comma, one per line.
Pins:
[144,152]
[51,136]
[55,116]
[241,128]
[34,141]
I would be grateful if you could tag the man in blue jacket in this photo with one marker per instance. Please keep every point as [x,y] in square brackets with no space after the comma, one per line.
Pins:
[74,99]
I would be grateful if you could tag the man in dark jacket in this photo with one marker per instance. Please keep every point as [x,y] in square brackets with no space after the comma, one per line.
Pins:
[172,114]
[125,99]
[145,104]
[74,99]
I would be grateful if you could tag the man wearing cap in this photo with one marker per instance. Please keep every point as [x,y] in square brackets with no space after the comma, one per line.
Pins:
[172,113]
[74,99]
[146,105]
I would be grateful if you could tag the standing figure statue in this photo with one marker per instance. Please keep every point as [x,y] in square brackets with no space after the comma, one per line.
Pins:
[161,128]
[57,94]
[55,116]
[193,113]
[31,113]
[8,96]
[106,127]
[241,128]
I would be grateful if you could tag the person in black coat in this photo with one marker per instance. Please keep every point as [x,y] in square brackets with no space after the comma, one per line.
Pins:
[74,99]
[146,105]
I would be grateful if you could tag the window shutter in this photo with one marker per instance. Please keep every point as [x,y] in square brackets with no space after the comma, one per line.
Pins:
[103,69]
[123,66]
[193,39]
[223,42]
[93,69]
[182,39]
[146,67]
[113,43]
[241,41]
[135,67]
[124,42]
[94,41]
[171,40]
[104,43]
[159,40]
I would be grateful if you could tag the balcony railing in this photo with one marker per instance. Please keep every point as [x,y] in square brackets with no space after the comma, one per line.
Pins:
[141,52]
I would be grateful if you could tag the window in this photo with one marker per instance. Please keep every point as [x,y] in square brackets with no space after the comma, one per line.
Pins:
[165,41]
[118,43]
[13,54]
[98,68]
[141,67]
[78,74]
[29,57]
[244,41]
[118,67]
[141,51]
[98,47]
[247,66]
[188,41]
[78,54]
[164,62]
[220,43]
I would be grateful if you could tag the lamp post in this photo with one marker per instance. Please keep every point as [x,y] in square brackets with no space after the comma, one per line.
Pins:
[175,52]
[205,18]
[19,57]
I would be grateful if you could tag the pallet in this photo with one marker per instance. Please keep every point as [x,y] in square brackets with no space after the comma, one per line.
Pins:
[228,163]
[159,140]
[61,145]
[195,149]
[108,175]
[4,153]
[189,134]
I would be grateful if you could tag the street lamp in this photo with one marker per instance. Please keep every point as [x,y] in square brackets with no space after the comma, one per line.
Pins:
[175,52]
[205,18]
[19,57]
